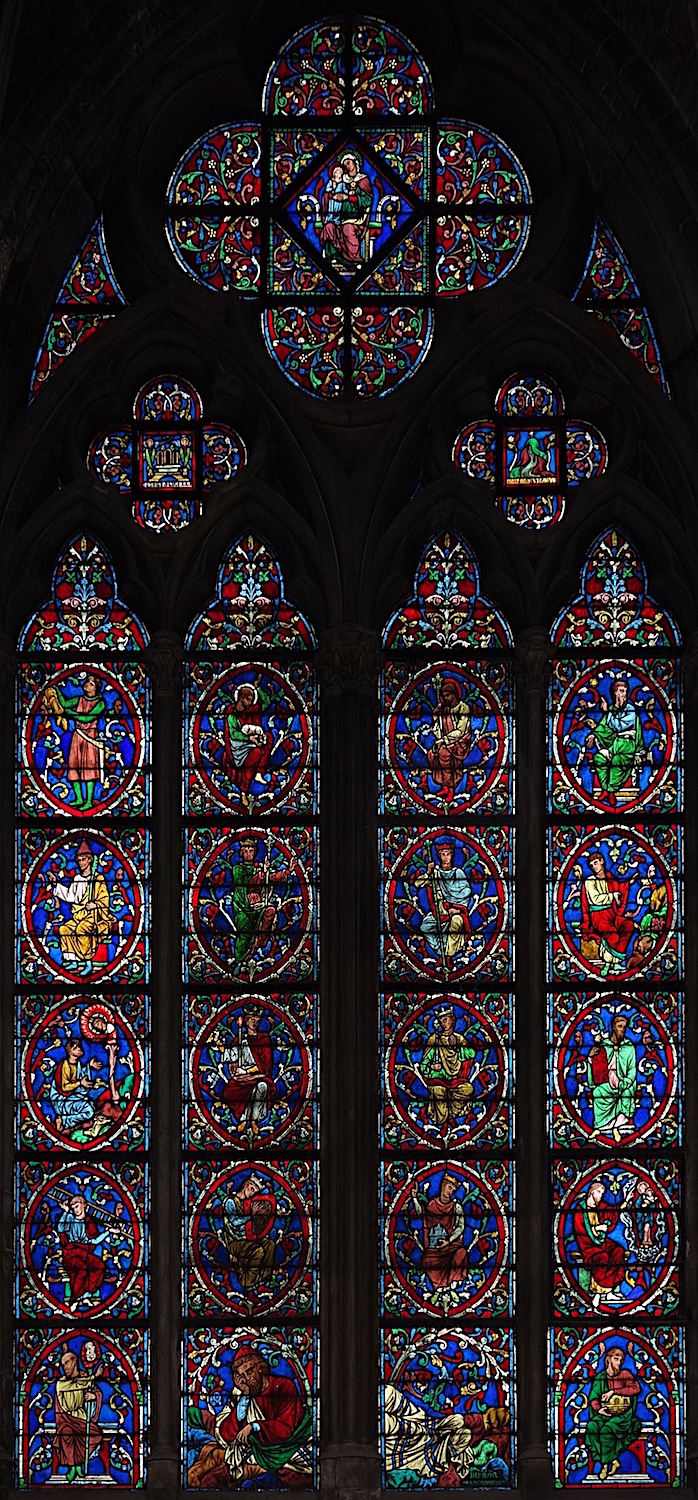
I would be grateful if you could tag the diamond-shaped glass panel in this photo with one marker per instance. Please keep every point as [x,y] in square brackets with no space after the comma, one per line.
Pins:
[348,211]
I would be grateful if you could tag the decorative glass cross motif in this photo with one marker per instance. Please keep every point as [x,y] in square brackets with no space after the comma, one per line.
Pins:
[530,453]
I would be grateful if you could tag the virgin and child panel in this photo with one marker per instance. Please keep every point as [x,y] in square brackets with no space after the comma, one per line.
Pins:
[446,901]
[616,738]
[250,1408]
[250,904]
[616,1237]
[250,741]
[447,1238]
[615,908]
[81,1240]
[446,1416]
[81,1072]
[616,1069]
[250,1244]
[447,1070]
[81,906]
[83,740]
[83,1406]
[446,737]
[350,210]
[250,1071]
[617,1406]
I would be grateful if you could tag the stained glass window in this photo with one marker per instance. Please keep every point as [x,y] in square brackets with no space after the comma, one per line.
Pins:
[447,967]
[81,1055]
[530,454]
[615,970]
[348,224]
[168,457]
[89,296]
[250,1036]
[608,289]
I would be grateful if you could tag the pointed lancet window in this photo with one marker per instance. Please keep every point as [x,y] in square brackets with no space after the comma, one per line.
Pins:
[82,1033]
[447,967]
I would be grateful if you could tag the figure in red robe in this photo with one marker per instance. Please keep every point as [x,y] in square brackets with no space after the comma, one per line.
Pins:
[79,1235]
[605,932]
[603,1259]
[452,730]
[251,1090]
[78,1401]
[444,1256]
[265,1430]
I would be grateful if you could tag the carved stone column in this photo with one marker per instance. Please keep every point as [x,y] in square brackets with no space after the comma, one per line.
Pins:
[349,664]
[8,666]
[689,669]
[164,662]
[533,1236]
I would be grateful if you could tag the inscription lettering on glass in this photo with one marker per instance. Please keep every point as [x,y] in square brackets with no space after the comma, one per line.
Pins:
[249,1368]
[81,1053]
[447,966]
[615,971]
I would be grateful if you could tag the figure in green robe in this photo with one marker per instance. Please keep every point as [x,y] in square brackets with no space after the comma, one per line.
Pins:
[616,741]
[254,913]
[613,1424]
[612,1077]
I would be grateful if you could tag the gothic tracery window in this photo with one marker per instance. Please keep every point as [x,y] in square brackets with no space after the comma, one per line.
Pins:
[349,217]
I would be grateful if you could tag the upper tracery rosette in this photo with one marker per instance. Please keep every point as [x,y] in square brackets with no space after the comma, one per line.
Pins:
[351,212]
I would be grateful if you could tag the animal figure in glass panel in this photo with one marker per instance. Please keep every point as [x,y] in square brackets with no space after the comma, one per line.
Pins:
[446,1238]
[83,740]
[446,903]
[615,902]
[82,907]
[446,1419]
[82,1416]
[252,903]
[618,1407]
[447,736]
[617,740]
[81,1072]
[616,1069]
[250,1238]
[250,1409]
[616,1237]
[81,1240]
[251,737]
[251,1070]
[446,1071]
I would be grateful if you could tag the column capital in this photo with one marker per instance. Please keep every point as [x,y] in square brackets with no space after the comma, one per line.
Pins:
[164,658]
[349,659]
[532,656]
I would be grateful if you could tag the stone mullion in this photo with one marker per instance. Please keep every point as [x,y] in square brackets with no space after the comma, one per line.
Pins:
[533,1232]
[164,661]
[8,727]
[349,663]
